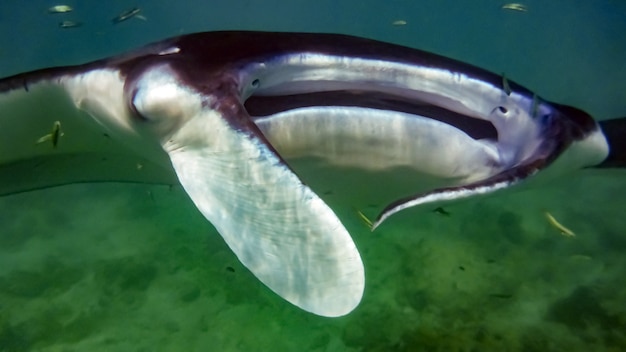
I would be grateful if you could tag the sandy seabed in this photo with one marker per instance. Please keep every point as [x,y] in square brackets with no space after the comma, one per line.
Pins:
[121,267]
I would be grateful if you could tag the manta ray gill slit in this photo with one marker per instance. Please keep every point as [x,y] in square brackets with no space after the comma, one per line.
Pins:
[262,105]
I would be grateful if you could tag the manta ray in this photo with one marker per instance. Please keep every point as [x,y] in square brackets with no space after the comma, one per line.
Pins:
[222,113]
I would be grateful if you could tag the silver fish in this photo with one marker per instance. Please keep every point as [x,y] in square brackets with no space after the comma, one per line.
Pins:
[70,24]
[60,9]
[126,15]
[514,6]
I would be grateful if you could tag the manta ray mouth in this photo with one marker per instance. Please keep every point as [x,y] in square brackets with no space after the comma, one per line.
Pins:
[265,105]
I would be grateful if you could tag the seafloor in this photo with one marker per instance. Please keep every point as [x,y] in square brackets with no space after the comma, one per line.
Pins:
[137,268]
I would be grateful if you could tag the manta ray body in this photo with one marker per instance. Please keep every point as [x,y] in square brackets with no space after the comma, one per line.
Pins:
[222,112]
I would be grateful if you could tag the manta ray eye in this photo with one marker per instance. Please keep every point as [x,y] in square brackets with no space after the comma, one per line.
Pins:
[502,109]
[255,83]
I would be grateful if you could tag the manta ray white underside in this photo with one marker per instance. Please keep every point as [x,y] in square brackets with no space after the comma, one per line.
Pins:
[222,112]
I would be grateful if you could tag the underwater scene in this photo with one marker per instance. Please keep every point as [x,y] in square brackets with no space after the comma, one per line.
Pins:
[112,266]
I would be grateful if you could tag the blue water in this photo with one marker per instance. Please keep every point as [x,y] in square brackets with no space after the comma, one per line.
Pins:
[137,268]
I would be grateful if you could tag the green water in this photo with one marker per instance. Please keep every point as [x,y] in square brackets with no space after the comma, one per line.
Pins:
[137,268]
[113,267]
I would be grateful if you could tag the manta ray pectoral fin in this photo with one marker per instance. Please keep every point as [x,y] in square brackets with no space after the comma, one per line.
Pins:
[278,227]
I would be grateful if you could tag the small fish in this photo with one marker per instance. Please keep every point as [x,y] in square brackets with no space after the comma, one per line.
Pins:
[441,211]
[365,219]
[53,136]
[70,24]
[557,225]
[399,23]
[501,295]
[126,15]
[515,7]
[60,9]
